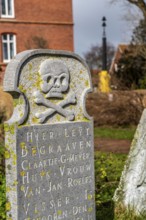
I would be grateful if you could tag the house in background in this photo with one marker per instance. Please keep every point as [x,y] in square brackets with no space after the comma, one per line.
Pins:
[118,54]
[26,24]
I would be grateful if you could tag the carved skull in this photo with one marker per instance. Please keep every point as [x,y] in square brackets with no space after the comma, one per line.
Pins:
[55,76]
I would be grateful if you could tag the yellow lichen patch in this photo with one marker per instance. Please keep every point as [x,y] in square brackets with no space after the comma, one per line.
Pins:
[21,88]
[30,78]
[8,189]
[34,150]
[85,119]
[38,82]
[72,86]
[14,159]
[21,101]
[15,183]
[22,145]
[79,116]
[16,102]
[42,173]
[81,71]
[7,146]
[6,127]
[8,206]
[87,83]
[10,141]
[21,114]
[7,154]
[34,120]
[36,211]
[22,173]
[22,188]
[9,218]
[59,212]
[89,196]
[90,209]
[9,128]
[58,117]
[12,129]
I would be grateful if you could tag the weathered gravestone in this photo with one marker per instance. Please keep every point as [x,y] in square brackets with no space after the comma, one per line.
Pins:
[132,188]
[49,138]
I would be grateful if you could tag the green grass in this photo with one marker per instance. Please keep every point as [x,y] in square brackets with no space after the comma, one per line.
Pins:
[108,168]
[114,133]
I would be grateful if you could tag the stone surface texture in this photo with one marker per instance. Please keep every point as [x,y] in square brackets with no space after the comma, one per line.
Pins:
[132,188]
[49,138]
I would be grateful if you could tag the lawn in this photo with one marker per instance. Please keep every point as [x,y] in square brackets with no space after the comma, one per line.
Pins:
[115,133]
[108,168]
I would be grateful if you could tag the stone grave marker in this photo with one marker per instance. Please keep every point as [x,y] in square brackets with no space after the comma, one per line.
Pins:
[49,138]
[131,191]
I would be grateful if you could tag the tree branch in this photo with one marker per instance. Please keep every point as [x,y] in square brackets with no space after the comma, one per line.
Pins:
[140,4]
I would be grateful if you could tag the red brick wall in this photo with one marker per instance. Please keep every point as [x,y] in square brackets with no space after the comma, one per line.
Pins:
[47,19]
[45,10]
[59,37]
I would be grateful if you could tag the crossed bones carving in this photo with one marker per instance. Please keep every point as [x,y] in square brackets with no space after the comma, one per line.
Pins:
[40,99]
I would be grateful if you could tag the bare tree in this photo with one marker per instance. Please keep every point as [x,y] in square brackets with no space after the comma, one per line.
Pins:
[140,4]
[94,56]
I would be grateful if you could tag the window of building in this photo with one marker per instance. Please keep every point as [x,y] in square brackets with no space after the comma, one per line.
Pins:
[9,47]
[7,10]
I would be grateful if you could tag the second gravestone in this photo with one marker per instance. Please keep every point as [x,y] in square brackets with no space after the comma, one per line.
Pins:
[49,138]
[131,192]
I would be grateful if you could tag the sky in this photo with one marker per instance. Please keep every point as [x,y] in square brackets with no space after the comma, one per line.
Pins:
[88,15]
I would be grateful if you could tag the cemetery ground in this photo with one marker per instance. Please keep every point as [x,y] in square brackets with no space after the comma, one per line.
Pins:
[115,124]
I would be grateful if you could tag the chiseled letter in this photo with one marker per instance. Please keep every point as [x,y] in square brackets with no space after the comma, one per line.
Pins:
[29,136]
[26,208]
[24,151]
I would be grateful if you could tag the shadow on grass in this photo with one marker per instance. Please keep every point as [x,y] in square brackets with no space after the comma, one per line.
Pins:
[105,211]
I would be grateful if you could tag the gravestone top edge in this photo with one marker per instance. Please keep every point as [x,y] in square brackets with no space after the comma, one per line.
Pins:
[14,67]
[12,78]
